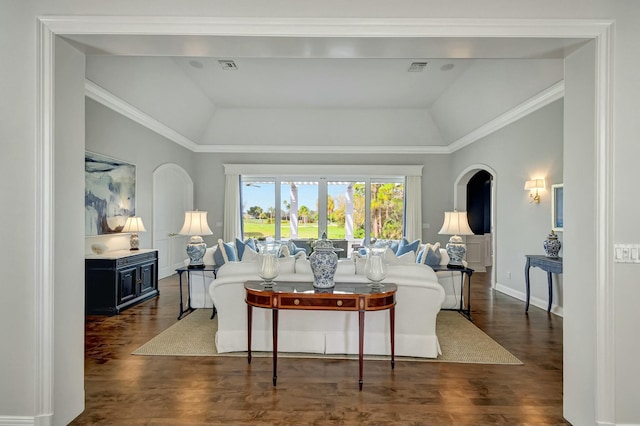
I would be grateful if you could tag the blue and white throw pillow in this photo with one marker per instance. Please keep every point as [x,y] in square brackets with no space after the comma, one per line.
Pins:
[430,255]
[293,249]
[226,252]
[249,255]
[241,245]
[405,247]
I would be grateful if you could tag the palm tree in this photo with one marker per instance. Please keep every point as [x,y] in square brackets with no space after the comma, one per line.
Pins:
[303,213]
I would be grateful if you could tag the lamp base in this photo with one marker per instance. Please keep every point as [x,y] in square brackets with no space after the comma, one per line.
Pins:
[456,251]
[134,242]
[195,250]
[196,266]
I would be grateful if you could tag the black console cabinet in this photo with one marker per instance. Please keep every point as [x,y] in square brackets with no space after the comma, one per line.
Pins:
[117,280]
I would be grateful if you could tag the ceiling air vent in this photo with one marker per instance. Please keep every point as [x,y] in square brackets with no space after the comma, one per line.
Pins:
[228,65]
[417,66]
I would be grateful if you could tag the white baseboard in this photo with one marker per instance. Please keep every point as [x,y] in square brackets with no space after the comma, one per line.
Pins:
[534,301]
[616,424]
[16,421]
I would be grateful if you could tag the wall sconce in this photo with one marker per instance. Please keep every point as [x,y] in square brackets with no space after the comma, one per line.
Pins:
[534,185]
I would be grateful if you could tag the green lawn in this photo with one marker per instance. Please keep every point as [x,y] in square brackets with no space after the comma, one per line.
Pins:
[257,228]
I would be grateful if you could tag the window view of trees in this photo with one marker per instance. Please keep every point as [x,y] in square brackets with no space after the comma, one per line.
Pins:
[347,215]
[387,210]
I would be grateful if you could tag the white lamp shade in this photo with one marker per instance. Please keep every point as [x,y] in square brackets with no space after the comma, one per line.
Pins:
[534,184]
[195,223]
[134,224]
[455,223]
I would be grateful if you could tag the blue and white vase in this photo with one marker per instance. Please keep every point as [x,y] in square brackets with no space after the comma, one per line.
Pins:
[552,245]
[324,262]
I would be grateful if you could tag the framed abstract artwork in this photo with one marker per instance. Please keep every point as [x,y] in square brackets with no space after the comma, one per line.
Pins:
[557,207]
[109,194]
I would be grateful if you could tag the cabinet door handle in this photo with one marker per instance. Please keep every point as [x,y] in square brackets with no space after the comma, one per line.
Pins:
[172,234]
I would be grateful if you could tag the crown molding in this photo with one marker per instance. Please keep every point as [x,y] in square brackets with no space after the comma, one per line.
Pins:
[320,149]
[119,105]
[323,169]
[330,27]
[542,99]
[108,99]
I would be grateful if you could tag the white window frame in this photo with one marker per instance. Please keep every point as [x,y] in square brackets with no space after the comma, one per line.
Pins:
[323,180]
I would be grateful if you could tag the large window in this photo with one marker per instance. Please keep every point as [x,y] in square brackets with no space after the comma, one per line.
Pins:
[355,210]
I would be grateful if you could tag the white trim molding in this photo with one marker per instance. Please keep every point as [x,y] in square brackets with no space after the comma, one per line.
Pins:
[44,226]
[51,26]
[119,105]
[534,301]
[536,102]
[343,170]
[16,421]
[605,297]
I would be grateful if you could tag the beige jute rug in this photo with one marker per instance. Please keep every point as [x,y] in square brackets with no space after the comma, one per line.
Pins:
[460,341]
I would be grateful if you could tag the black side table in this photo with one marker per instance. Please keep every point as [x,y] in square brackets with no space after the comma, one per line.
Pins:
[552,265]
[465,308]
[189,271]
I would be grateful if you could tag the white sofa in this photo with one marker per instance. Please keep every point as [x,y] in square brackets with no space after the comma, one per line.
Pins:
[200,281]
[419,299]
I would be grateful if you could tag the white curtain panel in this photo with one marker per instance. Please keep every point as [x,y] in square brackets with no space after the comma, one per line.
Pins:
[413,208]
[232,208]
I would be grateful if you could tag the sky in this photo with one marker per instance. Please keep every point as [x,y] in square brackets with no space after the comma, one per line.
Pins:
[263,195]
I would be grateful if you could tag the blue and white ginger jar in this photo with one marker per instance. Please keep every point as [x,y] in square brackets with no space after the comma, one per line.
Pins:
[324,262]
[552,245]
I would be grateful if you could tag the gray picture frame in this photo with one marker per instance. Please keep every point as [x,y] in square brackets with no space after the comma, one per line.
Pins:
[557,207]
[110,193]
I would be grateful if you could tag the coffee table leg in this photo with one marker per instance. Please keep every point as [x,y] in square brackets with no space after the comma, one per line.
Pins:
[360,344]
[275,346]
[249,323]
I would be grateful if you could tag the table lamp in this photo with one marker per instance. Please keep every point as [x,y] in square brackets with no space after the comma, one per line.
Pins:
[195,225]
[456,224]
[134,225]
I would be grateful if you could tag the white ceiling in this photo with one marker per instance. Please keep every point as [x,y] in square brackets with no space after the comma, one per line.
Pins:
[314,72]
[321,83]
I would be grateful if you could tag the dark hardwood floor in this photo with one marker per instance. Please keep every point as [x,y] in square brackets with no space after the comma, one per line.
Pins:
[123,389]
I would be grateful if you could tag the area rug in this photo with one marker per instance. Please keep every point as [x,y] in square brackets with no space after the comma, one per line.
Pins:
[460,340]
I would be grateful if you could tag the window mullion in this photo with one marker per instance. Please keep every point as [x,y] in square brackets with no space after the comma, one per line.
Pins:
[278,201]
[367,211]
[322,206]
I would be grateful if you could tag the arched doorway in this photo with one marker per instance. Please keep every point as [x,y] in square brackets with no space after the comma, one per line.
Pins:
[479,179]
[172,196]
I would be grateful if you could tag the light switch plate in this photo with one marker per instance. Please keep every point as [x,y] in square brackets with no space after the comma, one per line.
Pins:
[626,253]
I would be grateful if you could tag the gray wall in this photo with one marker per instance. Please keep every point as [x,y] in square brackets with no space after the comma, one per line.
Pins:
[529,148]
[111,134]
[625,210]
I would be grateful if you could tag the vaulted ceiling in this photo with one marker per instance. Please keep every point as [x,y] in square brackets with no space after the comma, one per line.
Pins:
[188,85]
